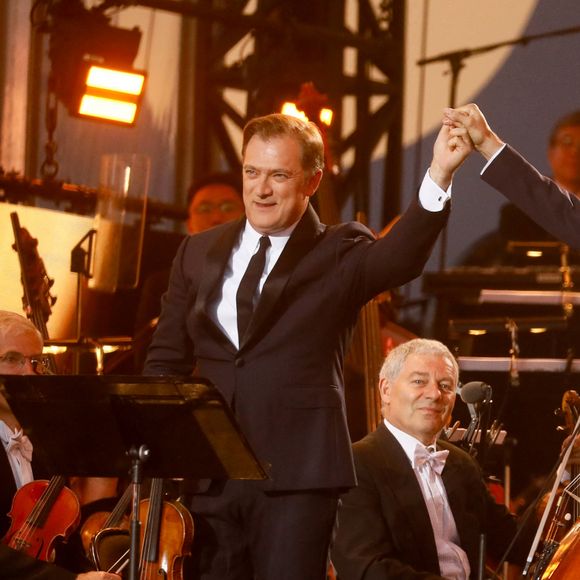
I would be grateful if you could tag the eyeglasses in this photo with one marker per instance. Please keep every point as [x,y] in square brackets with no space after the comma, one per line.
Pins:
[568,142]
[15,360]
[223,207]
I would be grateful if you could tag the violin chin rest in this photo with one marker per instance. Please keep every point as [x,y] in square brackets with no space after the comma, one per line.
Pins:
[110,548]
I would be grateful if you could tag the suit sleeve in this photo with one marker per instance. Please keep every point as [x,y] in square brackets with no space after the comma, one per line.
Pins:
[364,546]
[171,350]
[554,209]
[374,266]
[15,565]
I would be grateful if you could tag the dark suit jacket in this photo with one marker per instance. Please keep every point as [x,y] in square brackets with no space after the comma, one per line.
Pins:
[285,382]
[15,565]
[554,209]
[7,491]
[384,530]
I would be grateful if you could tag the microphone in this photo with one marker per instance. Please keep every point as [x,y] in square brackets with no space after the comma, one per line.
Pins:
[475,392]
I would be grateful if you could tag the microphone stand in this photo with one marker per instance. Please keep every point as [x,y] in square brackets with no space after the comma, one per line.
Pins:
[455,60]
[512,328]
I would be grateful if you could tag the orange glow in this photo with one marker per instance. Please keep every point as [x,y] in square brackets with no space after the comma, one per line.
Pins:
[291,110]
[109,109]
[326,116]
[129,83]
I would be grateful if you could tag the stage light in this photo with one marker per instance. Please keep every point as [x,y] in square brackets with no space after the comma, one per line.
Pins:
[129,83]
[290,109]
[92,67]
[326,116]
[111,95]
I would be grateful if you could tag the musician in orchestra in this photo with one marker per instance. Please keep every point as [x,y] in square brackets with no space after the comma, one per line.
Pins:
[554,204]
[21,353]
[280,369]
[421,503]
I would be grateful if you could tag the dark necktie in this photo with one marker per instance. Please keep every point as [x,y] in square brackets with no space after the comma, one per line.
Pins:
[249,285]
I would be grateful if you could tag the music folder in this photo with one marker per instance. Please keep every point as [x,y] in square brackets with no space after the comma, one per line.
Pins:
[84,425]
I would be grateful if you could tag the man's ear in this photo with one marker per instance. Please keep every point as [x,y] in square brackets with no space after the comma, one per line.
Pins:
[385,391]
[314,182]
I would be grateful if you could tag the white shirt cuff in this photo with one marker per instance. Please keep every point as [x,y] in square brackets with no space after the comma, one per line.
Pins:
[431,196]
[493,157]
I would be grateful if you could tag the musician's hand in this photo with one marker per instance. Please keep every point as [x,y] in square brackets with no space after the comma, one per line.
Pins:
[98,576]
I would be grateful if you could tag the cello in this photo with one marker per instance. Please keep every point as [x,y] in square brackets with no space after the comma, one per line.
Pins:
[42,511]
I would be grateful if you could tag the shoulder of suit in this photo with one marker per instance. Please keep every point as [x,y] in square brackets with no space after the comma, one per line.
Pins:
[352,230]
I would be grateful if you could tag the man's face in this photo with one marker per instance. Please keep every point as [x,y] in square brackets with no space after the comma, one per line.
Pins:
[564,158]
[13,348]
[420,400]
[276,188]
[212,205]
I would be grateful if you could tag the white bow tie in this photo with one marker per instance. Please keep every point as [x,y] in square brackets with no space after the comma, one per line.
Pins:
[17,442]
[436,459]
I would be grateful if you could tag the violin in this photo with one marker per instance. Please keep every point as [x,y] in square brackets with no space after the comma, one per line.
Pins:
[166,541]
[42,511]
[104,520]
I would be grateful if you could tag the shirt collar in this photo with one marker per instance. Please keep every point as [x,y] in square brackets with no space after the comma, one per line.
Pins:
[278,240]
[406,441]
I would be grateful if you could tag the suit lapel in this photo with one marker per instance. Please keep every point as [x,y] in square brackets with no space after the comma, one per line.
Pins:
[453,487]
[300,243]
[212,275]
[406,492]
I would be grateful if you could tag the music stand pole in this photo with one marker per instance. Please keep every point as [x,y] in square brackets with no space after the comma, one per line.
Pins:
[182,426]
[138,457]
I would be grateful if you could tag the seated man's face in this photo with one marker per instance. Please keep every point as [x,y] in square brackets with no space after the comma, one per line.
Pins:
[420,400]
[16,352]
[212,205]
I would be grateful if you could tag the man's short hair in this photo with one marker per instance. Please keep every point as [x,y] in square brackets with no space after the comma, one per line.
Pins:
[229,178]
[12,324]
[569,120]
[395,360]
[278,125]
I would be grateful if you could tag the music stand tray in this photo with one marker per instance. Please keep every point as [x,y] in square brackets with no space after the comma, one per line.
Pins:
[84,425]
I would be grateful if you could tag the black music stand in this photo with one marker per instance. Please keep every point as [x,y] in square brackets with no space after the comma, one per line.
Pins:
[104,426]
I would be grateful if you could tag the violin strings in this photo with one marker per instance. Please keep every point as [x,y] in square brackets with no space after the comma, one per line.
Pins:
[31,523]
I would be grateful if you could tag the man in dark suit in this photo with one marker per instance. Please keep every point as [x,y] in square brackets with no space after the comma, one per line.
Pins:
[554,208]
[282,374]
[420,504]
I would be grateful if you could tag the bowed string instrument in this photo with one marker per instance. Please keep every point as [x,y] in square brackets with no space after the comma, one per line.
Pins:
[165,543]
[560,557]
[42,511]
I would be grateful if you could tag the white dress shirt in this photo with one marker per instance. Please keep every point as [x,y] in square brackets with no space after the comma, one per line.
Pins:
[19,452]
[453,560]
